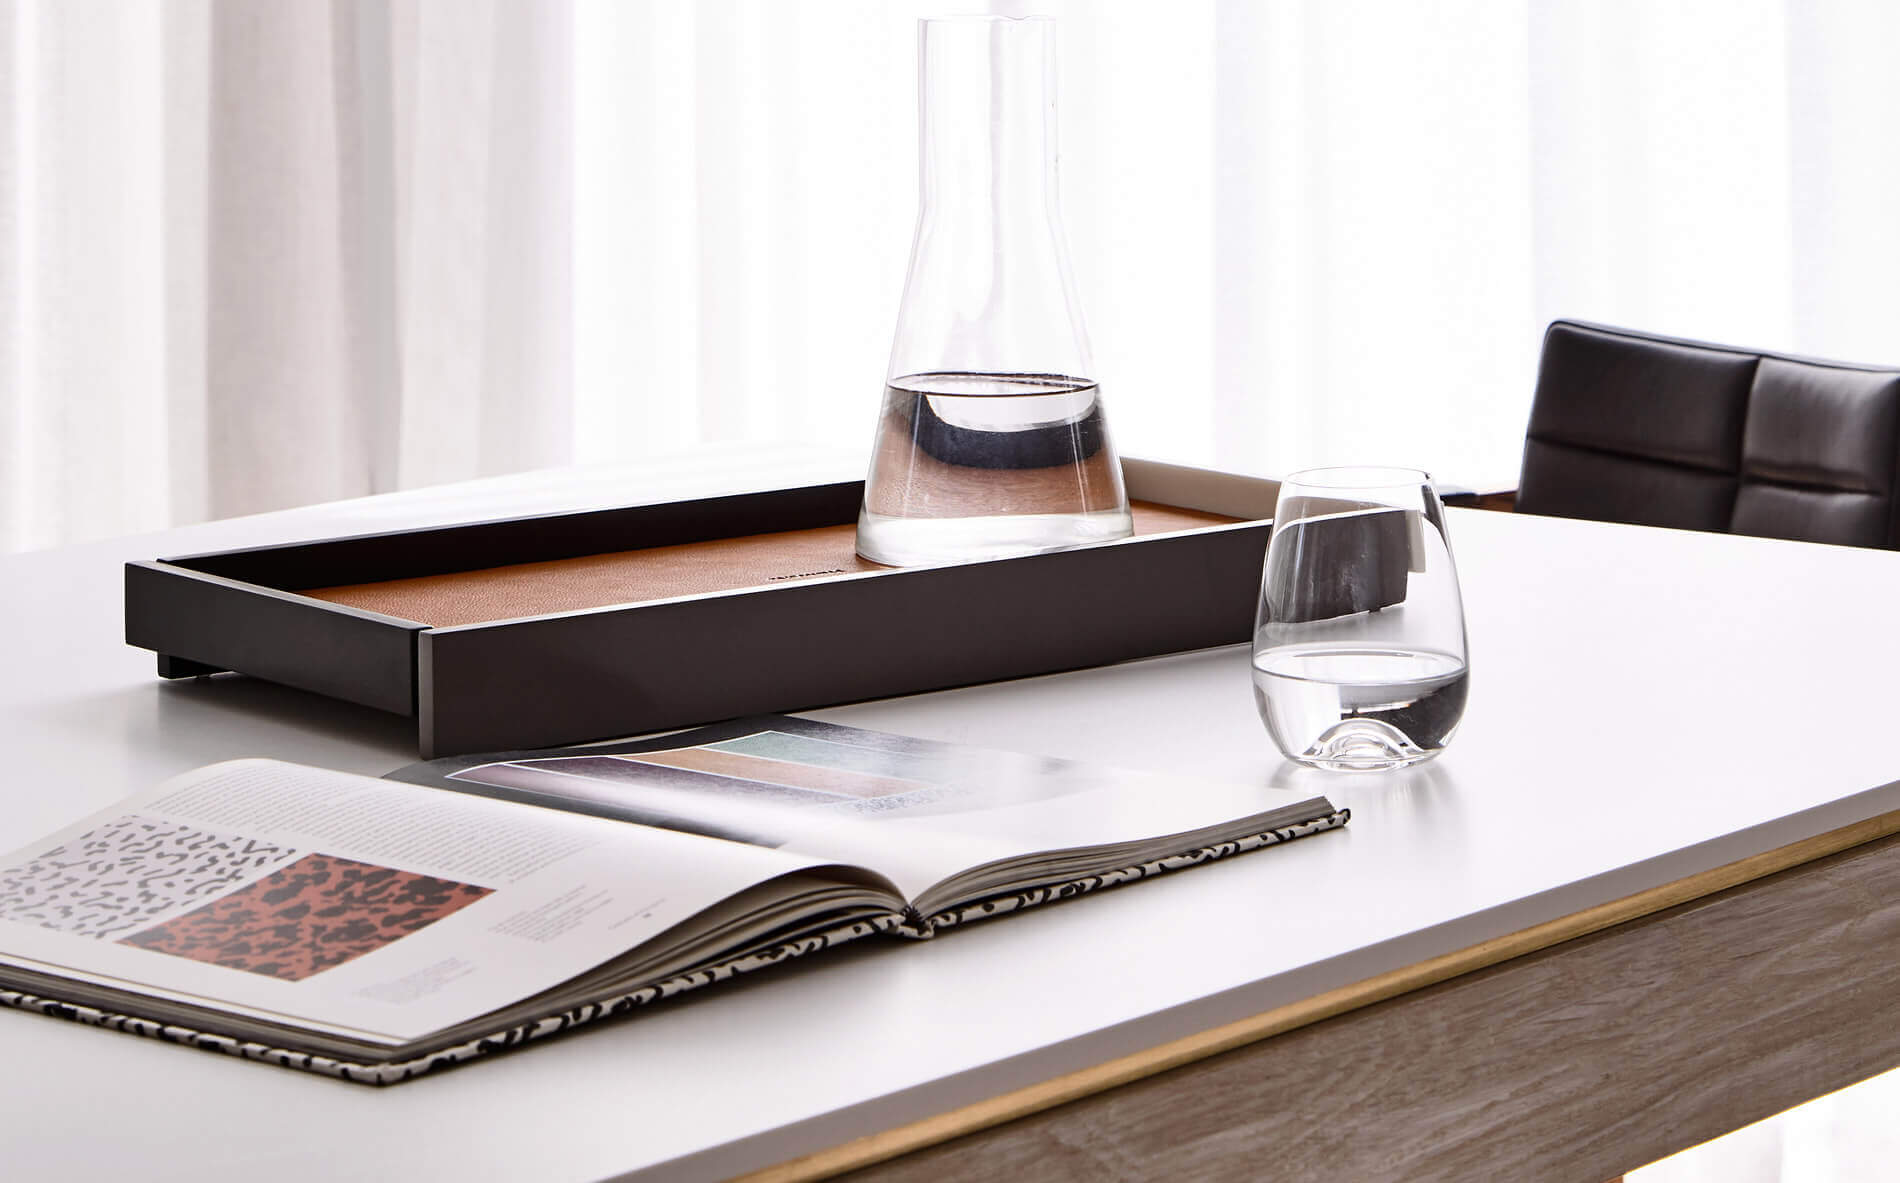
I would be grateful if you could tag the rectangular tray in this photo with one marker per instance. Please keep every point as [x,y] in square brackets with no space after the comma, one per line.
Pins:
[570,627]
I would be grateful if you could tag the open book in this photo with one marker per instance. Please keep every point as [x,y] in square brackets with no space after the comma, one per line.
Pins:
[378,929]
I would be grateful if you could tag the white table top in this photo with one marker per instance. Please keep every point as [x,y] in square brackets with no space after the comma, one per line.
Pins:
[1645,705]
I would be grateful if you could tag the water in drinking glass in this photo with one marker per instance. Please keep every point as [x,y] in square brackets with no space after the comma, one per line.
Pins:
[1354,708]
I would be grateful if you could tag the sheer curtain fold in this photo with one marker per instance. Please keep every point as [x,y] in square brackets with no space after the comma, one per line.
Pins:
[218,299]
[285,376]
[82,350]
[483,241]
[388,275]
[258,253]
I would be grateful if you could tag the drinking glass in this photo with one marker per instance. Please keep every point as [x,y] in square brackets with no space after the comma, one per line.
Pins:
[1359,644]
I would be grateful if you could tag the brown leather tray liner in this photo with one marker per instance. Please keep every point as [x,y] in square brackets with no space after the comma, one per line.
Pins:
[652,573]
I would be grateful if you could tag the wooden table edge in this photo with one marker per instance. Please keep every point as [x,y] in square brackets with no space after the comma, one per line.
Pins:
[888,1144]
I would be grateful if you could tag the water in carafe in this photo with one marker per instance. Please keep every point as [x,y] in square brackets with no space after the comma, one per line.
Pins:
[972,466]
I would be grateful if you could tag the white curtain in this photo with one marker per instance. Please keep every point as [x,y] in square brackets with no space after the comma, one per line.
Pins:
[260,253]
[1306,231]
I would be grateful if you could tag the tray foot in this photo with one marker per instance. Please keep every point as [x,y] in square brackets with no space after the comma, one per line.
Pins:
[179,667]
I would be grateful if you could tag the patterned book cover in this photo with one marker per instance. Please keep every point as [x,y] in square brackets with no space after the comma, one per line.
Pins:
[392,1072]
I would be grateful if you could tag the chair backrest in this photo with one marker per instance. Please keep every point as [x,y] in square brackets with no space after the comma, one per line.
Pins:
[1629,427]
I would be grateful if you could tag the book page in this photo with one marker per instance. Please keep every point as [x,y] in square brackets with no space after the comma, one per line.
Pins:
[918,811]
[373,909]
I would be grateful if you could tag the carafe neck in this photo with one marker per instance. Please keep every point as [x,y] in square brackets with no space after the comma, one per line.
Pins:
[987,122]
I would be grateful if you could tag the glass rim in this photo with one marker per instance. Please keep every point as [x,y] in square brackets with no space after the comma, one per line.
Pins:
[1358,476]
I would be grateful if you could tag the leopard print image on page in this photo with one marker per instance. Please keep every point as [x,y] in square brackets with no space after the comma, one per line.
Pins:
[128,873]
[312,915]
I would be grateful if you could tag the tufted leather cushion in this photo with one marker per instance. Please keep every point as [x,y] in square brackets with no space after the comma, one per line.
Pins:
[1628,427]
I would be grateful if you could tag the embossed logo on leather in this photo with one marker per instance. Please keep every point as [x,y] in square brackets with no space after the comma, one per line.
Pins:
[806,574]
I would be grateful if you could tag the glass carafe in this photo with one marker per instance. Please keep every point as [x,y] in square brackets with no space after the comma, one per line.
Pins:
[991,440]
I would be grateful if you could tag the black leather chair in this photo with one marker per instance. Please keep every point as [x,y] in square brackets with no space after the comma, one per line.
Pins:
[1629,427]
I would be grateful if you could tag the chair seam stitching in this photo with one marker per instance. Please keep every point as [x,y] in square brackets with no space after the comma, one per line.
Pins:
[1595,450]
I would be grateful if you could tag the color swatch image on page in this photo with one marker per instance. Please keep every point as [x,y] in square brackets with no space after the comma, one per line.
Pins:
[833,778]
[312,915]
[129,872]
